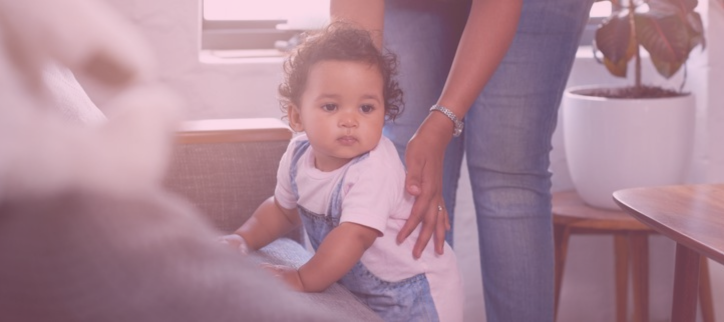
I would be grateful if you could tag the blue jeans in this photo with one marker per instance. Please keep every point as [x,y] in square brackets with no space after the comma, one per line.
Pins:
[506,141]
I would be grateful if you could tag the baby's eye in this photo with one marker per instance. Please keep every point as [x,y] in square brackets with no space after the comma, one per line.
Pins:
[366,108]
[329,107]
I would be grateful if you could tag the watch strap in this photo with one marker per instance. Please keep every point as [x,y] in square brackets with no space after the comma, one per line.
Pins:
[458,124]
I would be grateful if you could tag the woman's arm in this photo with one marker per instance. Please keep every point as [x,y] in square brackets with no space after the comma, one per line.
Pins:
[269,222]
[339,252]
[488,33]
[367,14]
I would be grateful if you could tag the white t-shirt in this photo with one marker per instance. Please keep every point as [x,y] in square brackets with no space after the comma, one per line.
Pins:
[374,196]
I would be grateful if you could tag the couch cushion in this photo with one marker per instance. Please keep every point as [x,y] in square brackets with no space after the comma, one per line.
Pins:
[336,300]
[82,256]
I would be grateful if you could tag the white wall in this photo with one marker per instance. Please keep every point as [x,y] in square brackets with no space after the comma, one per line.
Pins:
[715,96]
[221,90]
[712,158]
[249,90]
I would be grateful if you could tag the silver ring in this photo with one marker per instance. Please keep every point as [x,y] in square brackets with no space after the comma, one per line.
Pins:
[439,208]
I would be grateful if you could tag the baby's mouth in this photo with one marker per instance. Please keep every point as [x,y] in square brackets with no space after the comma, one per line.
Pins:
[347,140]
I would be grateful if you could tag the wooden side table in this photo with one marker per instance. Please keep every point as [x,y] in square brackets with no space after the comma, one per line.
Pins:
[572,216]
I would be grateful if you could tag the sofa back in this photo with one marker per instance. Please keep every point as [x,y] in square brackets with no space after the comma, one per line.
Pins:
[226,168]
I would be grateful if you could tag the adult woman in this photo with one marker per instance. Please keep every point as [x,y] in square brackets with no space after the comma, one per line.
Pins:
[501,66]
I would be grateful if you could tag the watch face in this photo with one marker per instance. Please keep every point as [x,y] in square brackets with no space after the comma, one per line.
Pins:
[458,130]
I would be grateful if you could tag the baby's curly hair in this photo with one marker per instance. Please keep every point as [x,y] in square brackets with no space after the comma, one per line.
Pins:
[339,41]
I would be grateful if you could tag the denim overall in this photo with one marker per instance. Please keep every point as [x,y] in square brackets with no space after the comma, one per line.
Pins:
[405,300]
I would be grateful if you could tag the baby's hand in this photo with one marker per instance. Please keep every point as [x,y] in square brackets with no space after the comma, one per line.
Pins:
[235,242]
[288,275]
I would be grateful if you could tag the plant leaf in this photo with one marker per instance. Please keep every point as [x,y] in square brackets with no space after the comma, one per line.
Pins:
[669,7]
[696,31]
[666,68]
[616,68]
[684,9]
[664,7]
[666,39]
[613,39]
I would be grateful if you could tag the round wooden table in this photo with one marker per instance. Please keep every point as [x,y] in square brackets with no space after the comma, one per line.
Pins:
[692,215]
[572,216]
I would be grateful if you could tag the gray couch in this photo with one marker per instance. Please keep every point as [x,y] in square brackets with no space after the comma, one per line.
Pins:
[162,265]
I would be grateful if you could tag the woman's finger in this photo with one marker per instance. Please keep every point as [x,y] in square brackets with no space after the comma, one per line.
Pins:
[441,227]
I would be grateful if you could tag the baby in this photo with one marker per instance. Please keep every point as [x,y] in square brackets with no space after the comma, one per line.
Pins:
[344,181]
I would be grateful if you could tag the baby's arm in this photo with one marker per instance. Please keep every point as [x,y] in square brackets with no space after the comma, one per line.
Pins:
[269,222]
[339,252]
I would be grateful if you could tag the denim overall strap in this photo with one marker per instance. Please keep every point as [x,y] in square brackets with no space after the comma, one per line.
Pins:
[299,150]
[316,225]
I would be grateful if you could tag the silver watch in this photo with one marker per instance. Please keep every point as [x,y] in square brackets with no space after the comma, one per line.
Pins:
[458,123]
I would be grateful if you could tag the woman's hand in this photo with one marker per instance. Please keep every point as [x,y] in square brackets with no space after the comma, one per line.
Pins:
[424,160]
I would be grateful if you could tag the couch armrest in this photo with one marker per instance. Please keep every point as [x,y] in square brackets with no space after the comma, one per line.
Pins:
[227,167]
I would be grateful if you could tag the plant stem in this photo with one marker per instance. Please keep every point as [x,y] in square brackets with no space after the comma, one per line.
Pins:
[637,52]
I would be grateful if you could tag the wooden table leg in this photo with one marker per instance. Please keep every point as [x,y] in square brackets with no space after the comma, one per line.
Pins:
[640,270]
[561,234]
[705,300]
[686,284]
[621,260]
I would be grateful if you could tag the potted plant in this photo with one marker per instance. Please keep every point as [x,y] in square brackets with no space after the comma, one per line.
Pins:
[636,135]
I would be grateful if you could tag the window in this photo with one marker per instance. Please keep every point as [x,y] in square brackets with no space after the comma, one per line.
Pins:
[599,11]
[250,28]
[258,28]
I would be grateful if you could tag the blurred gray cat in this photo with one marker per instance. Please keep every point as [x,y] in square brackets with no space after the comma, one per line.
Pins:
[123,152]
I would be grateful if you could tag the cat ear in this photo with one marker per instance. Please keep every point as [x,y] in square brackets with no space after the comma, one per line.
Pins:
[87,36]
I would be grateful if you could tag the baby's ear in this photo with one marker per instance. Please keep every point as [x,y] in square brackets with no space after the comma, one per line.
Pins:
[295,118]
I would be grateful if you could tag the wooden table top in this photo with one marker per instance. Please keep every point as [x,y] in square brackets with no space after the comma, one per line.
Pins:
[569,209]
[692,215]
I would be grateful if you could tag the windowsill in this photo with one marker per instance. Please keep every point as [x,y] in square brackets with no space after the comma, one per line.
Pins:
[258,56]
[586,52]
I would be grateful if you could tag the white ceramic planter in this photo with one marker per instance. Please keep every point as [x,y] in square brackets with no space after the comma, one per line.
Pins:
[614,144]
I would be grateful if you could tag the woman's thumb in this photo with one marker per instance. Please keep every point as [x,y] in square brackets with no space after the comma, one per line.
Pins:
[413,179]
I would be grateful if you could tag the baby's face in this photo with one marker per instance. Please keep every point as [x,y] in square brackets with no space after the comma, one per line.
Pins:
[342,111]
